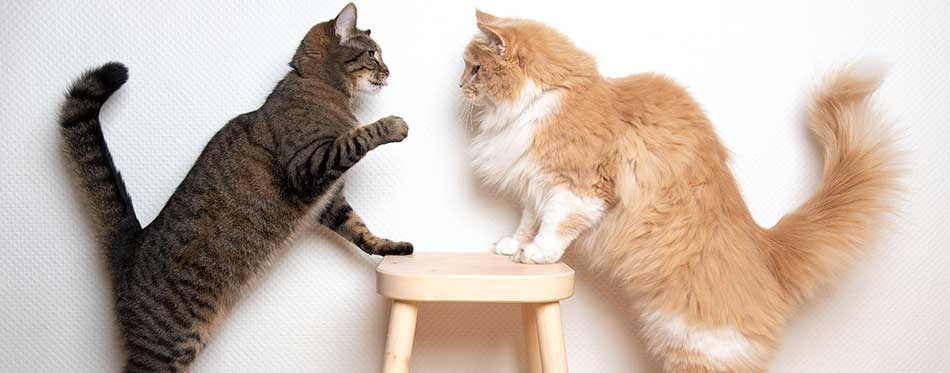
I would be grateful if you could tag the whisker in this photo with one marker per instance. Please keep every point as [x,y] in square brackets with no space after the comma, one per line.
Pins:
[469,116]
[465,113]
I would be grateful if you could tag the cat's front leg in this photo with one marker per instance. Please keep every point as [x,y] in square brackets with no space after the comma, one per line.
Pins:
[527,228]
[348,149]
[340,218]
[353,146]
[564,215]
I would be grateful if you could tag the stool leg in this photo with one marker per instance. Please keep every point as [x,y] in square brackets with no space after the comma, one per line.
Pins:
[529,318]
[551,338]
[402,328]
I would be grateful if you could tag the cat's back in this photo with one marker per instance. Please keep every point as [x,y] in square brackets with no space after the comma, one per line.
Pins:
[653,94]
[237,187]
[231,192]
[306,105]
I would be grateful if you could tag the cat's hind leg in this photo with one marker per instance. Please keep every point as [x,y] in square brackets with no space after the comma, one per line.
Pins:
[689,347]
[154,344]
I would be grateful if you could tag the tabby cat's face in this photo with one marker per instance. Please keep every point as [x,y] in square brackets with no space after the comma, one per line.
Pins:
[347,56]
[362,63]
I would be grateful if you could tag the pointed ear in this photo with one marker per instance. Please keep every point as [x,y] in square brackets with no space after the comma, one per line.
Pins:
[494,33]
[345,22]
[483,17]
[488,24]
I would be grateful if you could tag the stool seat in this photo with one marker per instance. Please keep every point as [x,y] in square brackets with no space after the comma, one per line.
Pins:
[472,277]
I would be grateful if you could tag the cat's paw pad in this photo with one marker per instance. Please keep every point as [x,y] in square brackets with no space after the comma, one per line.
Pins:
[507,246]
[396,248]
[536,254]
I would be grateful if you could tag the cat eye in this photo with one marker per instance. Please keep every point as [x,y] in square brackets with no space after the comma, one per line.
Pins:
[372,53]
[475,69]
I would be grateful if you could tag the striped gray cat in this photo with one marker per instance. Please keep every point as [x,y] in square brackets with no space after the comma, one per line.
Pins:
[261,177]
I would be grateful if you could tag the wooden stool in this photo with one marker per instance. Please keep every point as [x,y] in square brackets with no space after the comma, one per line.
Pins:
[476,277]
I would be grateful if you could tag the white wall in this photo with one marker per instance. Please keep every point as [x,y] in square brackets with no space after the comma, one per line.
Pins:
[194,65]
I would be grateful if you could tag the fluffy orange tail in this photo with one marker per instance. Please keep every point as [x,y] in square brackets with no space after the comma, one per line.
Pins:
[809,246]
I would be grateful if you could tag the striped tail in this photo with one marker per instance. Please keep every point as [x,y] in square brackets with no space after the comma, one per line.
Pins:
[104,190]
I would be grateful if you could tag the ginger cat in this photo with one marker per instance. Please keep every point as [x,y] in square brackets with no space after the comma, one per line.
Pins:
[629,172]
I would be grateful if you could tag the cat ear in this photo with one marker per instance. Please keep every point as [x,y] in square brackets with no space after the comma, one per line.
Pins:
[483,17]
[486,23]
[345,23]
[494,34]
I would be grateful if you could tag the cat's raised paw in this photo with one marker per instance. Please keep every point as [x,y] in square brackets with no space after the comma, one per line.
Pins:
[395,128]
[507,246]
[535,254]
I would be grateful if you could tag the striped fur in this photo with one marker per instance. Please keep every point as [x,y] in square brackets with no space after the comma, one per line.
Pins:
[112,211]
[260,178]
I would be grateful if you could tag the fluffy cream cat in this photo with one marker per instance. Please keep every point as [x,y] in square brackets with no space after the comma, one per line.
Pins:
[630,172]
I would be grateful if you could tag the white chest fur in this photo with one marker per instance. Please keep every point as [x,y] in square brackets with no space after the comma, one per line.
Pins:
[501,151]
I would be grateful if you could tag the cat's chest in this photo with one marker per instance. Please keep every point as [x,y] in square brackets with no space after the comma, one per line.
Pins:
[505,160]
[502,153]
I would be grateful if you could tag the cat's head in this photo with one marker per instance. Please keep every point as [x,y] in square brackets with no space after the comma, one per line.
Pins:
[509,56]
[338,51]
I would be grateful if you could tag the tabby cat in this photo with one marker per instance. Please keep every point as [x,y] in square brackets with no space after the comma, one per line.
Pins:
[263,176]
[630,173]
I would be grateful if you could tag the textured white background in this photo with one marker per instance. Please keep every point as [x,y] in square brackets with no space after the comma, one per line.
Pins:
[195,65]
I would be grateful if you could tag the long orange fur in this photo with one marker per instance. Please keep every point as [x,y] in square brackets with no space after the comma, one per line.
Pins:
[676,234]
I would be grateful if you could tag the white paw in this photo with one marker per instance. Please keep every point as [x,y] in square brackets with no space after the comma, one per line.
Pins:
[507,246]
[535,254]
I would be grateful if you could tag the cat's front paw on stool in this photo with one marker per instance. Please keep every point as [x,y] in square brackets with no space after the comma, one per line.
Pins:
[395,248]
[507,246]
[536,254]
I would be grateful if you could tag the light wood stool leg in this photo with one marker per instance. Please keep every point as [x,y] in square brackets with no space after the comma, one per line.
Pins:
[551,337]
[402,329]
[529,318]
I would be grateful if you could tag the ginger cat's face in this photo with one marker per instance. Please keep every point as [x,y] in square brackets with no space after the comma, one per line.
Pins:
[510,54]
[474,82]
[491,75]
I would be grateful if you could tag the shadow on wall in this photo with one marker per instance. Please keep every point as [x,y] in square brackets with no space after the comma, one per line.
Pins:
[469,335]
